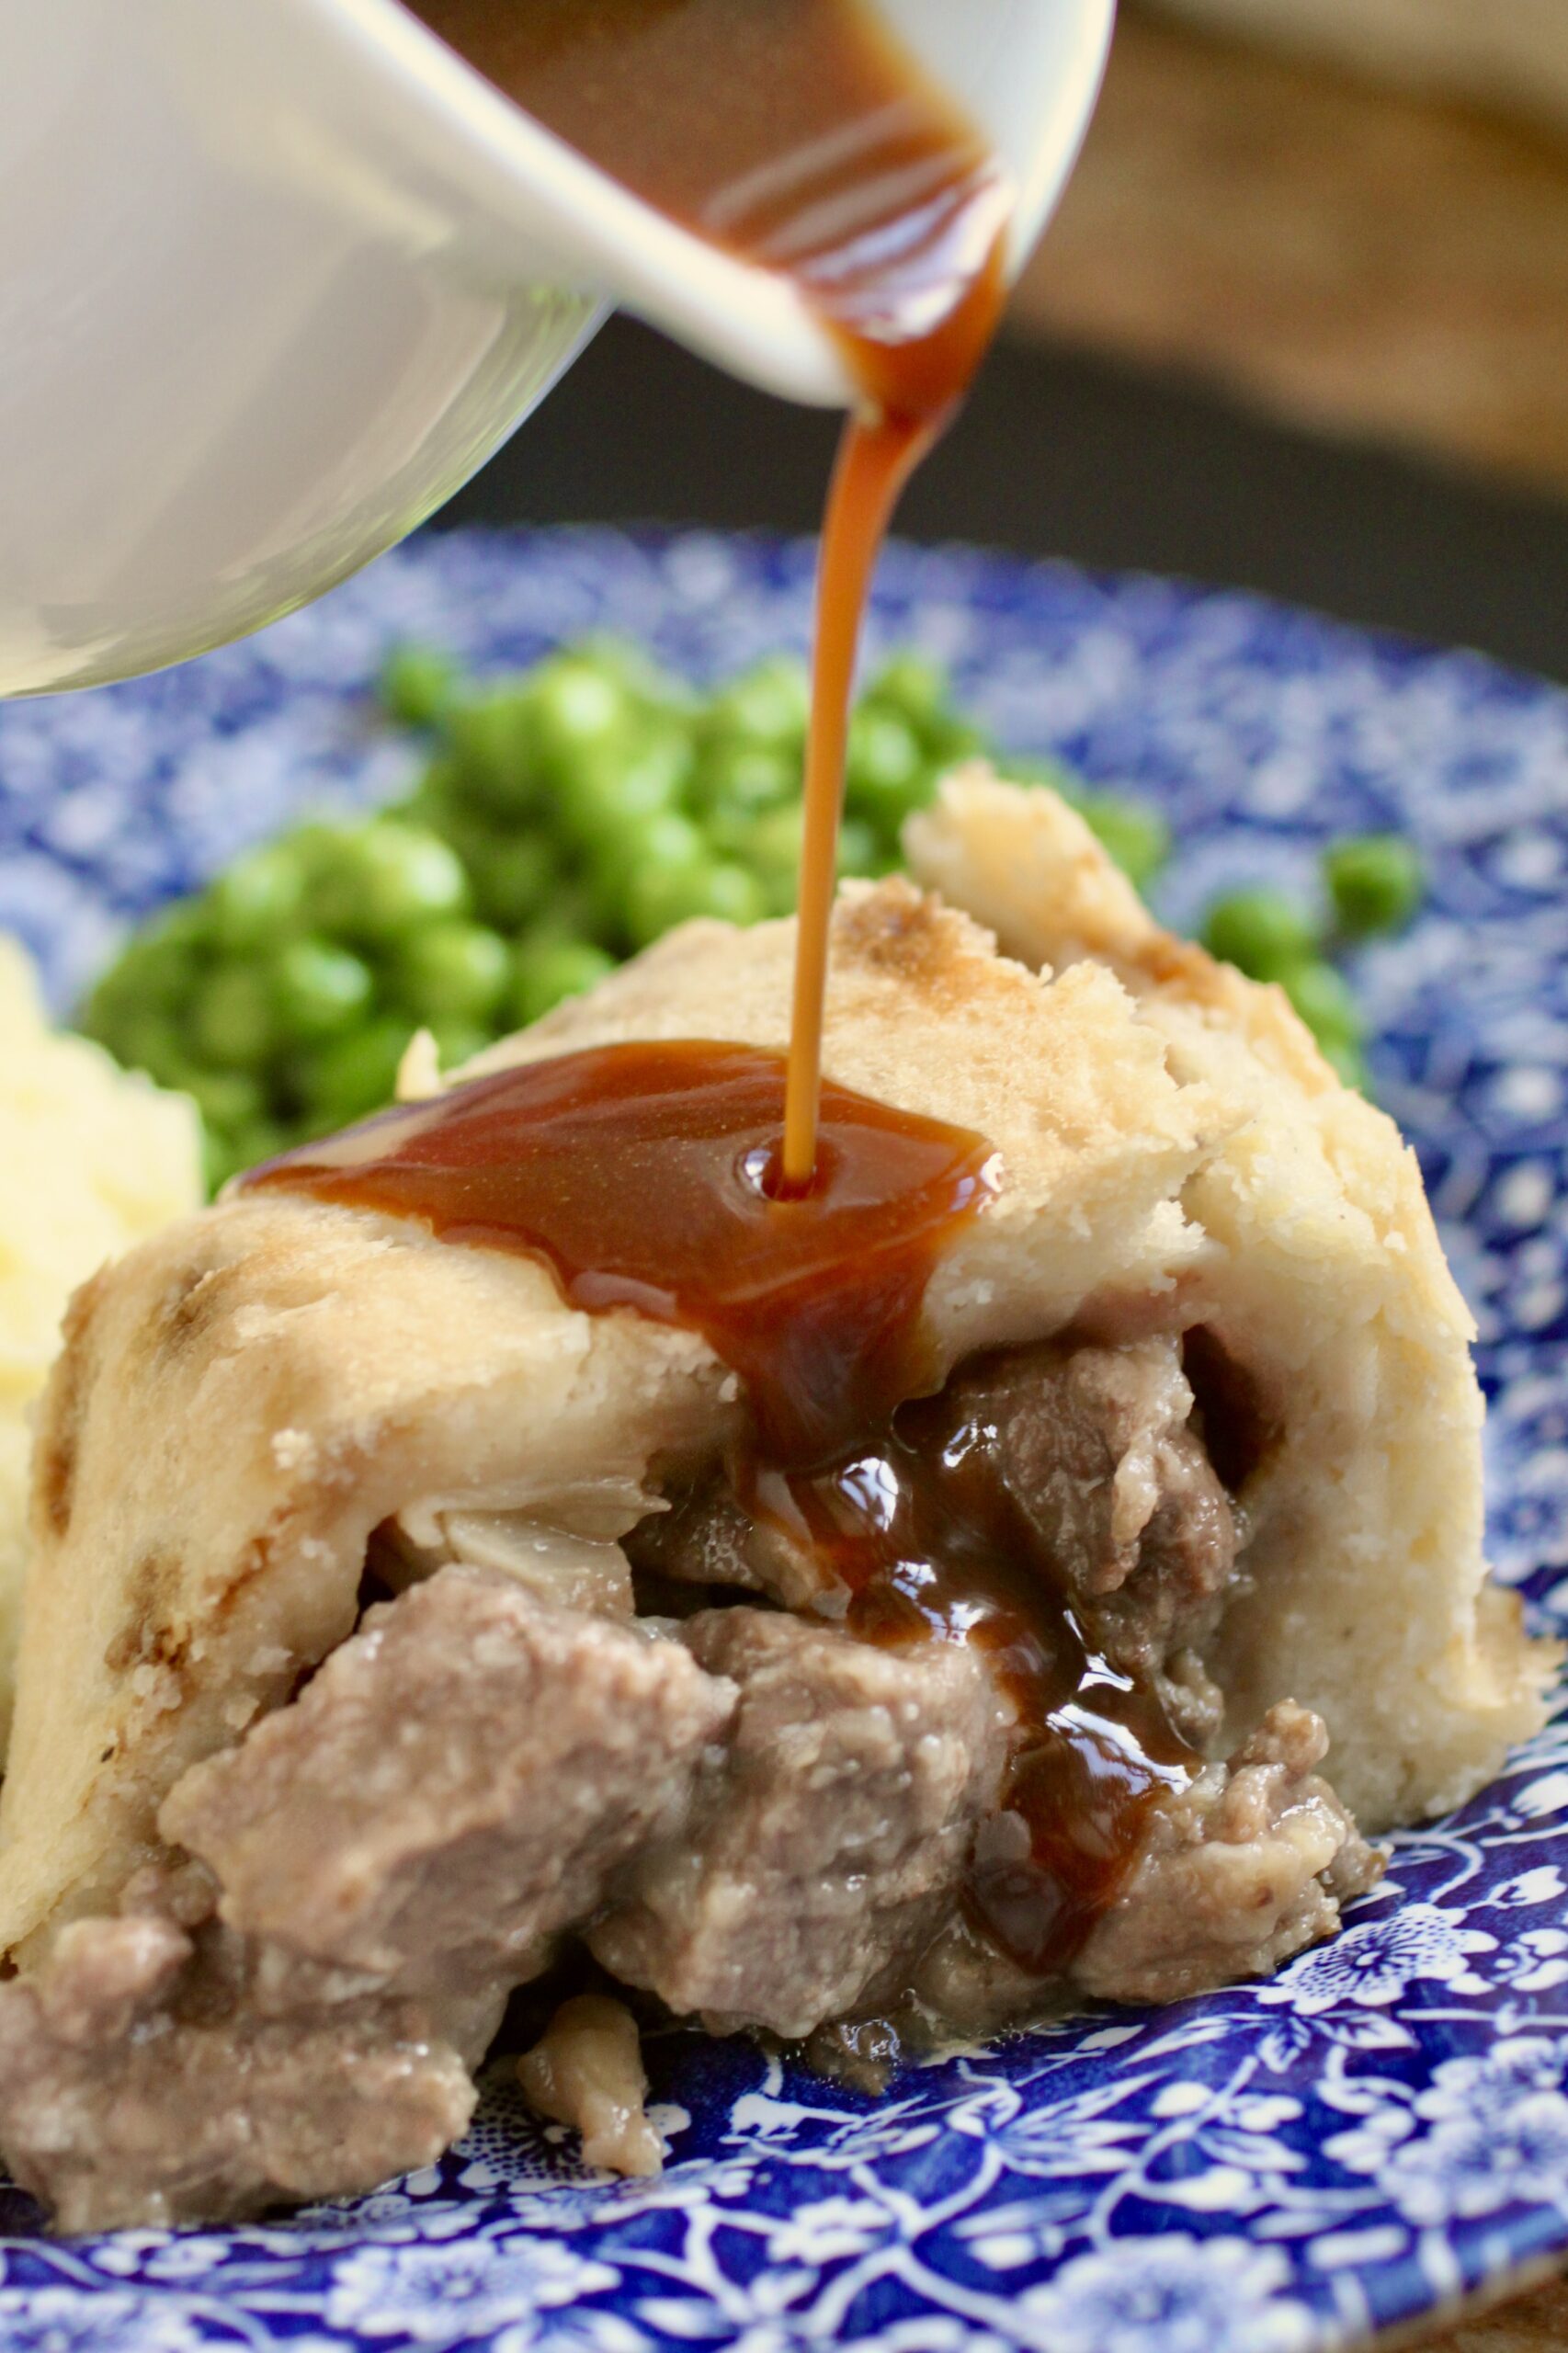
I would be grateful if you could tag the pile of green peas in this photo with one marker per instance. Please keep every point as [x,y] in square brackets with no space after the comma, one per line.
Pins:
[566,817]
[1371,883]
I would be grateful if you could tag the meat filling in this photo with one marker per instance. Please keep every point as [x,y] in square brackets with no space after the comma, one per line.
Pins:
[146,2077]
[1095,1448]
[456,1788]
[829,1836]
[1113,1490]
[778,1814]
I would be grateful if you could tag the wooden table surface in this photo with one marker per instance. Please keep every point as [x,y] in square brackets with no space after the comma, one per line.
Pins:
[1358,258]
[1537,2323]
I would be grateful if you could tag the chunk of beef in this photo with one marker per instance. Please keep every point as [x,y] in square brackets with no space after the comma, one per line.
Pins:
[140,2084]
[390,1854]
[1120,1500]
[586,2071]
[1234,1874]
[830,1834]
[457,1785]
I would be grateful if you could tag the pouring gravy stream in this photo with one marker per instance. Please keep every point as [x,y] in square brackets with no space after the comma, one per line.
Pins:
[798,135]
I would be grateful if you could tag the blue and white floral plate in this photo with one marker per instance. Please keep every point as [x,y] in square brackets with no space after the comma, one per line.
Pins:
[1379,2133]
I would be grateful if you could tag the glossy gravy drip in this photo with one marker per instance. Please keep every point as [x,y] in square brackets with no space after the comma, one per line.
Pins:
[799,135]
[920,1526]
[640,1175]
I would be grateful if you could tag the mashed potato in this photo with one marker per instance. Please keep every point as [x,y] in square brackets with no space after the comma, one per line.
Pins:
[91,1160]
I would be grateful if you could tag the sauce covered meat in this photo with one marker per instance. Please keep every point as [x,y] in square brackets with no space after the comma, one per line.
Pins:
[922,1529]
[640,1174]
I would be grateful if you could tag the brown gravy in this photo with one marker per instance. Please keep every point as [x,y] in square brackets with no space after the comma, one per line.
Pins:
[919,1525]
[796,134]
[639,1173]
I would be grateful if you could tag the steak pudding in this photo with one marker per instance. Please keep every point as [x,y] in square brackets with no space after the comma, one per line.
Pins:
[508,1546]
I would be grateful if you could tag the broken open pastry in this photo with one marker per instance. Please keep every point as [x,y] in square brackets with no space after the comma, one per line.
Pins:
[1046,1590]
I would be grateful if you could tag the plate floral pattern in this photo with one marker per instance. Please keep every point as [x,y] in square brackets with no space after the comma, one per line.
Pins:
[1379,2132]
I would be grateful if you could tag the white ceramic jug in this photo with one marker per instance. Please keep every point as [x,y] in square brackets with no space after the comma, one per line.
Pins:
[277,276]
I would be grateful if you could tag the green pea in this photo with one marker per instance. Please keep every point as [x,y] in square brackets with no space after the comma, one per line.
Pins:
[183,928]
[228,1151]
[318,990]
[419,684]
[609,797]
[436,800]
[219,1159]
[227,1100]
[389,878]
[767,706]
[862,850]
[152,1042]
[574,910]
[727,833]
[152,976]
[632,862]
[1326,1003]
[578,707]
[476,835]
[322,843]
[233,1023]
[660,896]
[352,1075]
[738,779]
[457,1041]
[256,899]
[494,759]
[454,971]
[731,893]
[772,851]
[661,892]
[886,774]
[1135,836]
[634,668]
[514,878]
[1375,880]
[1262,932]
[948,739]
[546,971]
[162,956]
[103,1012]
[912,684]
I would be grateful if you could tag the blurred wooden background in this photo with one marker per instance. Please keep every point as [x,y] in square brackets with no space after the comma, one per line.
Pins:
[1534,2323]
[1358,221]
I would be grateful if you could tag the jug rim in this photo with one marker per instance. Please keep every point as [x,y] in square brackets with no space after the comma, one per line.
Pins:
[749,319]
